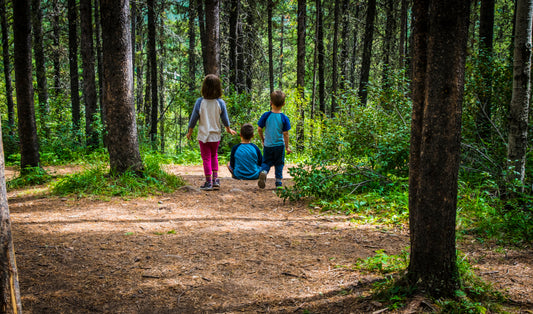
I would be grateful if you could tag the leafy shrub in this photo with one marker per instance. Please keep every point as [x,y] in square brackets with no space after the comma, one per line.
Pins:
[33,176]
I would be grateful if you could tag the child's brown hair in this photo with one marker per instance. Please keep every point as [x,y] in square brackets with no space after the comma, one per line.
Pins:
[247,131]
[211,87]
[277,98]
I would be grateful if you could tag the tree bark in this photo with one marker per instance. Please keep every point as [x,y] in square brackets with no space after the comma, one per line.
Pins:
[367,51]
[519,108]
[484,92]
[335,58]
[40,70]
[270,7]
[203,35]
[56,54]
[281,56]
[99,59]
[320,52]
[29,144]
[73,62]
[233,42]
[7,69]
[403,33]
[212,48]
[300,74]
[123,145]
[192,45]
[89,81]
[438,80]
[152,54]
[10,301]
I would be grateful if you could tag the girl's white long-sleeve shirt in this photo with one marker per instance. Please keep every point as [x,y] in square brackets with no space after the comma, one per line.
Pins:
[209,113]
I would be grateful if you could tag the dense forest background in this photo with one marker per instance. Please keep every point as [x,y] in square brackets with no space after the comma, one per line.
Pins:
[345,66]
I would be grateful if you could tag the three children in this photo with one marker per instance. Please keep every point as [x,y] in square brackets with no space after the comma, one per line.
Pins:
[246,161]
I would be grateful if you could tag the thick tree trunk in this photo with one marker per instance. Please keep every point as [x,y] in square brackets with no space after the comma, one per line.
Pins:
[73,62]
[152,54]
[7,69]
[40,70]
[89,81]
[10,301]
[29,144]
[212,36]
[300,73]
[519,108]
[438,80]
[123,145]
[367,51]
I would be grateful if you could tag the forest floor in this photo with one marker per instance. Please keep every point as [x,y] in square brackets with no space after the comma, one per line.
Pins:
[237,250]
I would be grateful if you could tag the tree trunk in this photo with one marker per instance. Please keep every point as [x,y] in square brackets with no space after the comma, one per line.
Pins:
[203,35]
[335,58]
[192,45]
[89,81]
[99,59]
[281,56]
[152,54]
[387,44]
[344,48]
[300,74]
[134,20]
[403,33]
[123,145]
[7,69]
[40,70]
[518,111]
[73,62]
[212,36]
[233,42]
[367,51]
[270,6]
[29,144]
[10,302]
[438,80]
[484,114]
[56,54]
[353,74]
[320,52]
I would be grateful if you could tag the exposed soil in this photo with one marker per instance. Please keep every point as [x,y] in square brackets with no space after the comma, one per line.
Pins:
[237,250]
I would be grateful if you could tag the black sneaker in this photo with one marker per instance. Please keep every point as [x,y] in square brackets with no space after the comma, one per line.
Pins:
[262,179]
[208,186]
[216,184]
[279,185]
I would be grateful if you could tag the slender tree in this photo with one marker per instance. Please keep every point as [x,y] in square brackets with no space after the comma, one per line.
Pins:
[300,73]
[89,81]
[29,143]
[73,63]
[367,51]
[438,79]
[335,58]
[212,48]
[519,108]
[281,56]
[233,43]
[40,70]
[56,49]
[123,145]
[320,56]
[403,32]
[192,45]
[484,91]
[270,7]
[203,35]
[152,55]
[99,59]
[7,69]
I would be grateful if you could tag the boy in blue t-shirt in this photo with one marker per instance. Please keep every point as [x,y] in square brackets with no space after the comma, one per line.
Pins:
[245,159]
[276,126]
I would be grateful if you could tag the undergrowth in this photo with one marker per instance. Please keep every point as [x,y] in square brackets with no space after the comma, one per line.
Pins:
[98,181]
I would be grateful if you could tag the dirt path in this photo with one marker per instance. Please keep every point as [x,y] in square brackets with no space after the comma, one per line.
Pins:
[239,249]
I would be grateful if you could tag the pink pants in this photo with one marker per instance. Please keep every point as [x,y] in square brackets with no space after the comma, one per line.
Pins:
[209,153]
